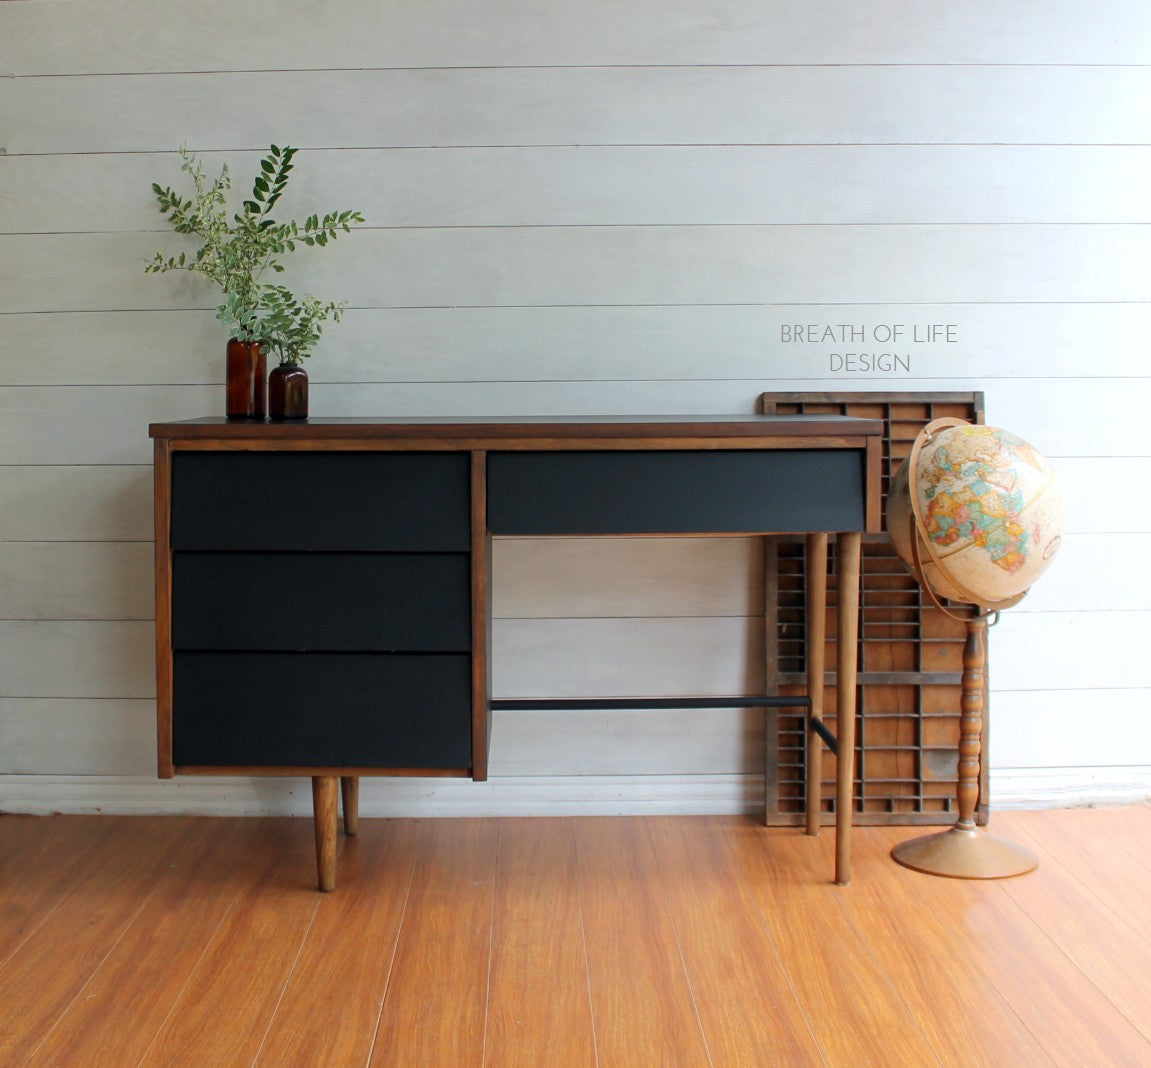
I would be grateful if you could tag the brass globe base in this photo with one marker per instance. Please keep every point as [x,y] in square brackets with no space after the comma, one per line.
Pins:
[965,854]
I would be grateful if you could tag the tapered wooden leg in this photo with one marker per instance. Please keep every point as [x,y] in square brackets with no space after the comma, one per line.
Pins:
[850,547]
[325,809]
[350,789]
[815,625]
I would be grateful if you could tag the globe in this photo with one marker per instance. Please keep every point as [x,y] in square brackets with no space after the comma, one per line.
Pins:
[983,506]
[975,514]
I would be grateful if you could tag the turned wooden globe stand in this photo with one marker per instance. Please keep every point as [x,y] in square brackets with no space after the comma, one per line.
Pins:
[965,851]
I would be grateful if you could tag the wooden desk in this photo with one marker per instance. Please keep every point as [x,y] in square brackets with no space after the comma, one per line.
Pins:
[323,588]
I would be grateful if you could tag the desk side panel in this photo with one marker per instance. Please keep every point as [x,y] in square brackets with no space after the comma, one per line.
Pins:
[481,619]
[162,504]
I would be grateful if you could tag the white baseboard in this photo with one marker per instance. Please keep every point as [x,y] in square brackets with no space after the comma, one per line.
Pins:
[396,797]
[520,796]
[1070,787]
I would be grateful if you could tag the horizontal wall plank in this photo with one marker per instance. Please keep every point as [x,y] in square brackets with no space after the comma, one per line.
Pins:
[59,425]
[541,578]
[108,737]
[1089,485]
[71,36]
[85,659]
[685,657]
[1050,729]
[1066,418]
[572,658]
[625,578]
[46,736]
[1067,650]
[991,342]
[626,657]
[1094,573]
[105,737]
[618,266]
[112,348]
[98,425]
[77,580]
[69,504]
[545,578]
[652,742]
[618,186]
[649,105]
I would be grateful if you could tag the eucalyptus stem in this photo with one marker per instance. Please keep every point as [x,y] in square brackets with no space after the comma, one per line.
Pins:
[236,253]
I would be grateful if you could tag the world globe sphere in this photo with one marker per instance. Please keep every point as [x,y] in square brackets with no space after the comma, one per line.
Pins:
[983,506]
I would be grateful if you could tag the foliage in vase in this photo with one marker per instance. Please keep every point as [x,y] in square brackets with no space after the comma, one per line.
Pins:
[290,327]
[237,249]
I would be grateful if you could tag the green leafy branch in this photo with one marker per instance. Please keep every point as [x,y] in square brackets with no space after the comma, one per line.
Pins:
[291,327]
[235,253]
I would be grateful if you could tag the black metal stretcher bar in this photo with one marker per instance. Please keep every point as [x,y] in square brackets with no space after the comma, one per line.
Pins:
[603,704]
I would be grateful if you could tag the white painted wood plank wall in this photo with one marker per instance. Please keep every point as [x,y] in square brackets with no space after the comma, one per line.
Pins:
[608,207]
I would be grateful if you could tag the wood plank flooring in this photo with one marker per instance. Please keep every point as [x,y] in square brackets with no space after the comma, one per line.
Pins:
[551,942]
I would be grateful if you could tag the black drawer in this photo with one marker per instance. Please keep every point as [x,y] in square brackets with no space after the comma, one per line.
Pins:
[322,710]
[410,602]
[313,501]
[676,492]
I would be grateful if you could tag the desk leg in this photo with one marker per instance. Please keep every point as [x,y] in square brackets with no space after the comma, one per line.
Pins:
[325,813]
[350,791]
[847,667]
[815,626]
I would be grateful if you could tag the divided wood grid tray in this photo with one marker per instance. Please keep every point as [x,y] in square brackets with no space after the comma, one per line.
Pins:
[911,654]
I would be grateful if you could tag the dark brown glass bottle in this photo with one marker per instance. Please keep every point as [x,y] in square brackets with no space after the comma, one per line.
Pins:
[288,392]
[247,380]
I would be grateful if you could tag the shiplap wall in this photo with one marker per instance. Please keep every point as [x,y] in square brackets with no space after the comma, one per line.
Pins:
[612,206]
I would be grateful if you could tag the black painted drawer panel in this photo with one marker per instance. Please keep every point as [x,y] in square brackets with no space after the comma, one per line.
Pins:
[322,709]
[676,492]
[372,502]
[409,602]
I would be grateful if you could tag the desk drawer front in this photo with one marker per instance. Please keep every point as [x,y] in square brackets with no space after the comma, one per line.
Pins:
[322,709]
[407,602]
[370,502]
[676,492]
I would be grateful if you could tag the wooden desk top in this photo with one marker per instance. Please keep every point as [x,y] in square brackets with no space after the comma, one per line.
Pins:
[535,431]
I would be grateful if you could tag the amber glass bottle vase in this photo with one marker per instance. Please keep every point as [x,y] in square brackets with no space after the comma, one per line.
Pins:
[288,392]
[247,380]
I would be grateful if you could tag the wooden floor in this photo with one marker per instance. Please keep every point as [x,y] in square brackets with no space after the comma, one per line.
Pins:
[614,941]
